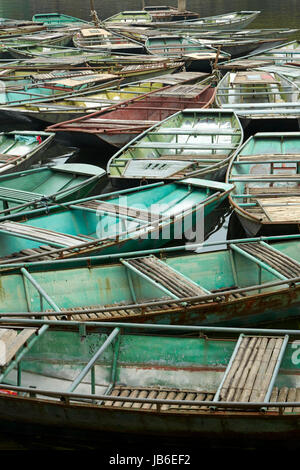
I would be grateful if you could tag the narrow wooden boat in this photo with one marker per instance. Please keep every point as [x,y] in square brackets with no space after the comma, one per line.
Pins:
[192,141]
[102,40]
[169,13]
[279,55]
[278,33]
[198,56]
[48,37]
[47,184]
[246,284]
[141,33]
[231,43]
[125,121]
[130,67]
[259,95]
[25,52]
[229,21]
[62,86]
[151,216]
[151,386]
[131,17]
[58,19]
[18,31]
[20,149]
[265,172]
[12,23]
[72,107]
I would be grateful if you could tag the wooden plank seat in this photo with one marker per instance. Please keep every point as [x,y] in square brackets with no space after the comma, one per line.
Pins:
[11,341]
[253,366]
[56,238]
[17,195]
[283,264]
[283,394]
[122,210]
[164,277]
[272,191]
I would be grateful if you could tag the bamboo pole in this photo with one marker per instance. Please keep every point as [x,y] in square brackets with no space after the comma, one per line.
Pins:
[94,14]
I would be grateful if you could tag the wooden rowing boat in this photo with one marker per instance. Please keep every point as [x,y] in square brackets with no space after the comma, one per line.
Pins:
[46,185]
[125,121]
[144,385]
[197,55]
[32,51]
[169,13]
[192,141]
[58,19]
[41,37]
[151,215]
[72,107]
[259,95]
[129,17]
[104,41]
[246,284]
[66,85]
[228,21]
[265,172]
[278,55]
[20,149]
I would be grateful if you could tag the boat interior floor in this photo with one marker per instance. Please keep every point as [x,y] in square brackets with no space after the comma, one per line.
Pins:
[283,394]
[122,310]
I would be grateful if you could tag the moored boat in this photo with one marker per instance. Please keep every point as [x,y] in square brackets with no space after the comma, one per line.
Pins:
[55,87]
[102,40]
[250,282]
[151,216]
[74,106]
[46,185]
[197,55]
[233,21]
[192,141]
[58,19]
[119,124]
[124,383]
[130,17]
[265,172]
[168,13]
[259,95]
[278,55]
[20,149]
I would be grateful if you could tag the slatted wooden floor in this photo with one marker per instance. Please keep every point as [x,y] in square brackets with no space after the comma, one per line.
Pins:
[164,275]
[122,310]
[283,394]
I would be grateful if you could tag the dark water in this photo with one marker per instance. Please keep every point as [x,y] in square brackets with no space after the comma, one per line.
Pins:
[274,14]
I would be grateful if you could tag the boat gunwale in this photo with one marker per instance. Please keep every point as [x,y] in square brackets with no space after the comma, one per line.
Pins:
[239,210]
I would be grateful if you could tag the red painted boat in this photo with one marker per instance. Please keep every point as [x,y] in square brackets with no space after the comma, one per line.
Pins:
[124,121]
